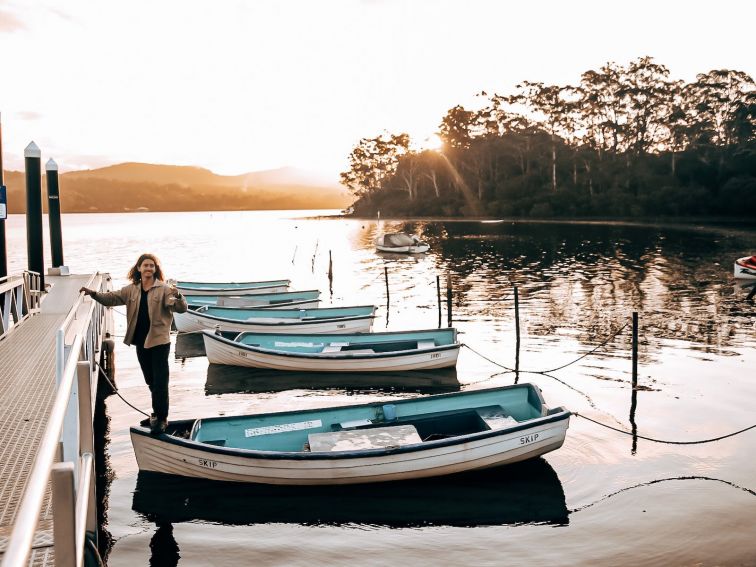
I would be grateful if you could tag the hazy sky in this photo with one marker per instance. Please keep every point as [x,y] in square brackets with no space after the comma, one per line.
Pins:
[244,85]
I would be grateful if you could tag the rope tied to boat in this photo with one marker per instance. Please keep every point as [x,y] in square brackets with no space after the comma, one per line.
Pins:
[115,389]
[701,442]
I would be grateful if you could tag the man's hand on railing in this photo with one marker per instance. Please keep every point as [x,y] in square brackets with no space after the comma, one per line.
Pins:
[87,291]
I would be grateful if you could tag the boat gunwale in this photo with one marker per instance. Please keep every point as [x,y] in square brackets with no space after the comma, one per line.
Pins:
[267,307]
[293,321]
[331,355]
[362,453]
[315,292]
[261,282]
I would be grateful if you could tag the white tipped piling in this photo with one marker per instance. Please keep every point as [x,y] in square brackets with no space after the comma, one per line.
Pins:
[32,151]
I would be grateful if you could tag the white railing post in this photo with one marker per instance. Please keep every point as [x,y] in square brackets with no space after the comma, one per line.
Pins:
[86,431]
[64,514]
[70,433]
[86,512]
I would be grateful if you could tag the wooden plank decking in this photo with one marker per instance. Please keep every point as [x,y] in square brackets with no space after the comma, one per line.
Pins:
[27,390]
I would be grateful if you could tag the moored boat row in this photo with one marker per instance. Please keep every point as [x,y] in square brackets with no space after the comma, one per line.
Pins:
[416,438]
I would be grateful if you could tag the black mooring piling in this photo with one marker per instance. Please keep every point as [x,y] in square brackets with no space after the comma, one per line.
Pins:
[3,213]
[33,167]
[53,213]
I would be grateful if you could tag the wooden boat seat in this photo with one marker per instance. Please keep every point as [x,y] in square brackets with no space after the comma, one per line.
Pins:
[495,417]
[426,344]
[360,439]
[332,348]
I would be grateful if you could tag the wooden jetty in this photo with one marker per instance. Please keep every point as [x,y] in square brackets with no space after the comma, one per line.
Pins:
[51,349]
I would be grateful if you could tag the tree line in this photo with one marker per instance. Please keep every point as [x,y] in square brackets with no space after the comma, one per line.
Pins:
[626,141]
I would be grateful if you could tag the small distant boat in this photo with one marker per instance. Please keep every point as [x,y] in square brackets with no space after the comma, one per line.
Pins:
[745,268]
[366,352]
[376,442]
[402,243]
[281,300]
[339,320]
[232,288]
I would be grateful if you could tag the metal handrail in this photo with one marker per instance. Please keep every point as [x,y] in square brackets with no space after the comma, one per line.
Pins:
[27,516]
[15,298]
[25,522]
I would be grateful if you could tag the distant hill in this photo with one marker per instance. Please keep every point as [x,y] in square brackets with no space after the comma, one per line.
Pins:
[153,187]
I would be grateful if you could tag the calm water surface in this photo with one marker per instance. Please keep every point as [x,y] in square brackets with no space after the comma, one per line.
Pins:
[602,499]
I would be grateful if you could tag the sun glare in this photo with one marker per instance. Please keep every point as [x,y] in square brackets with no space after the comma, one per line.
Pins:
[433,142]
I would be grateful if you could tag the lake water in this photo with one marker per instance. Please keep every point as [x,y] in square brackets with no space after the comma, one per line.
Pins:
[604,498]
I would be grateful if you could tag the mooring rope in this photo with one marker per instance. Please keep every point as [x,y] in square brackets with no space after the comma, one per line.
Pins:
[701,442]
[508,369]
[119,393]
[660,480]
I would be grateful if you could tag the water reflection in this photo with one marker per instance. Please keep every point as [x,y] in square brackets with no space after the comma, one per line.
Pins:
[104,472]
[528,492]
[163,547]
[189,345]
[222,379]
[589,277]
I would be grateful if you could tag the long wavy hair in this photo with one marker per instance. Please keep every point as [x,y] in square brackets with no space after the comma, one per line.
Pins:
[134,274]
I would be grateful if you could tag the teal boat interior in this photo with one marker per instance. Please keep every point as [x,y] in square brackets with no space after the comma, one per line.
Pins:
[281,298]
[231,285]
[376,425]
[243,314]
[355,343]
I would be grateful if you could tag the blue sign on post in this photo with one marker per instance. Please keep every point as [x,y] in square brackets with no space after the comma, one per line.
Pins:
[3,203]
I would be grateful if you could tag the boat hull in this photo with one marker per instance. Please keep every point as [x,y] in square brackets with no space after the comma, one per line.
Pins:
[220,351]
[743,271]
[192,321]
[421,249]
[170,455]
[233,291]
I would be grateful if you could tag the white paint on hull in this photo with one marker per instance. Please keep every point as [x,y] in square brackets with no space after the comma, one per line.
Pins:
[743,273]
[234,291]
[403,249]
[155,454]
[219,352]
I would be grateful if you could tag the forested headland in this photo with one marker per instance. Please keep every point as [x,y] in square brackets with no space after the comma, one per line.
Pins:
[626,141]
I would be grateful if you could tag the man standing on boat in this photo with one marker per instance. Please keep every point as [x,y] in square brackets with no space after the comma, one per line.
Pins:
[150,304]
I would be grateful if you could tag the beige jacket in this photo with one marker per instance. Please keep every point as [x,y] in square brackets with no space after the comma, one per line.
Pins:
[162,305]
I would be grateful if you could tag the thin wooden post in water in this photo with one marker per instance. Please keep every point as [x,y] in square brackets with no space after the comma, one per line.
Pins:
[438,297]
[517,332]
[33,167]
[448,300]
[635,350]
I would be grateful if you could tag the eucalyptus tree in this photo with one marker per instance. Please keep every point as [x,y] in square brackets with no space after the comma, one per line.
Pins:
[373,162]
[648,95]
[603,110]
[720,97]
[551,111]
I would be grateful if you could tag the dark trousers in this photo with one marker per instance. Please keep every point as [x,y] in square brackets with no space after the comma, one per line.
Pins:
[154,364]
